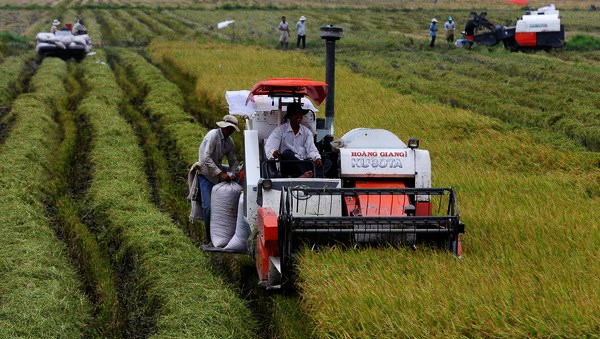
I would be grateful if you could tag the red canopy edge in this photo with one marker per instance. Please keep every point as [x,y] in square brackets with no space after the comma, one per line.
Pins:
[316,90]
[518,2]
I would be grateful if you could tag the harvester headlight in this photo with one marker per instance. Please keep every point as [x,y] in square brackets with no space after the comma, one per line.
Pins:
[413,143]
[267,184]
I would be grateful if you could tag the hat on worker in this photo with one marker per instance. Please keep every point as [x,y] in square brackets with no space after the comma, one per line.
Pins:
[302,18]
[55,22]
[449,18]
[229,120]
[294,108]
[434,20]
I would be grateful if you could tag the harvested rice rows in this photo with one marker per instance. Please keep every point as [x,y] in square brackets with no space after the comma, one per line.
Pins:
[164,104]
[39,290]
[66,190]
[176,294]
[141,33]
[113,31]
[155,25]
[10,70]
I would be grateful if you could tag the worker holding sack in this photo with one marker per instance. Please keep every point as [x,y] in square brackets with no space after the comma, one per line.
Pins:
[216,145]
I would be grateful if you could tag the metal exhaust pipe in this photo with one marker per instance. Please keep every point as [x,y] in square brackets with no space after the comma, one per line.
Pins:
[330,34]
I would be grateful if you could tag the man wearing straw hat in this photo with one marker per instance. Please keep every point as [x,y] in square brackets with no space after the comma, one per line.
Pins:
[55,24]
[216,144]
[433,31]
[301,32]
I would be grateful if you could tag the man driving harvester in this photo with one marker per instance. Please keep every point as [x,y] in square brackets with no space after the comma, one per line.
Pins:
[293,142]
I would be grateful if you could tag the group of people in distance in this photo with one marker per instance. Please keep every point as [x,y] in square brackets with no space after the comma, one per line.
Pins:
[450,28]
[291,142]
[284,33]
[76,29]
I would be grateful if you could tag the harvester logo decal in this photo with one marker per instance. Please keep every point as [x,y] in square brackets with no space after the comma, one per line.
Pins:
[374,159]
[538,25]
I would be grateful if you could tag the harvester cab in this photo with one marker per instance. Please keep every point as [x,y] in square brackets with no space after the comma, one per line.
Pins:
[539,29]
[378,191]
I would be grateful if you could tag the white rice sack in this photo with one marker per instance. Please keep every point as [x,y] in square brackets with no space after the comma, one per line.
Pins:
[60,45]
[65,39]
[242,230]
[223,212]
[80,40]
[44,37]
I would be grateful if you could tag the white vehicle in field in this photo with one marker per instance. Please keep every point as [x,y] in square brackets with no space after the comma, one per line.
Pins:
[63,44]
[539,29]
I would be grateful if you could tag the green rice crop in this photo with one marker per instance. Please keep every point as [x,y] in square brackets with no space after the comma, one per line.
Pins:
[179,297]
[115,31]
[140,33]
[531,211]
[39,290]
[10,69]
[164,103]
[583,43]
[154,24]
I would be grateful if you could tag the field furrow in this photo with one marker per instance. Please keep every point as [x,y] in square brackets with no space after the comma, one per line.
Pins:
[39,290]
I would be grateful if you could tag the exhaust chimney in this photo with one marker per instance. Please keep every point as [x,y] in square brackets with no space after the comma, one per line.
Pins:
[330,34]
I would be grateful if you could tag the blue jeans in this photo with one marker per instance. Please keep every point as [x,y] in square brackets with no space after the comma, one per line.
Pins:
[205,187]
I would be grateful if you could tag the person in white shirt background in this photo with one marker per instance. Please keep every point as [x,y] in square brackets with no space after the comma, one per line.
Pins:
[301,32]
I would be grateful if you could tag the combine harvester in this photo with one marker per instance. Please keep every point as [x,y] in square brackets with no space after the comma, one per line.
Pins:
[63,44]
[535,30]
[378,191]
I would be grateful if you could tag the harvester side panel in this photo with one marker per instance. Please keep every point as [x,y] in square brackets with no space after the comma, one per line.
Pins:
[268,240]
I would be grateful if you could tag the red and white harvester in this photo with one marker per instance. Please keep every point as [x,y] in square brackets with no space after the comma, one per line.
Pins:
[535,30]
[378,191]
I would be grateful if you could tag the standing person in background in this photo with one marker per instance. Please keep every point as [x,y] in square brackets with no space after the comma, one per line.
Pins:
[54,27]
[450,27]
[216,144]
[284,31]
[433,31]
[301,32]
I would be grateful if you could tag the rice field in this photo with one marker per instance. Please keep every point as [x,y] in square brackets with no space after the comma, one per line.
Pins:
[110,140]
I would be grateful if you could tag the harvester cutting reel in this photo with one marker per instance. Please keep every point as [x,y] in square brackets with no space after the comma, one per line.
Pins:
[305,220]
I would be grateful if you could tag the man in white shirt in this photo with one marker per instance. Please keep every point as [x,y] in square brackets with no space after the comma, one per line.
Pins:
[450,27]
[292,142]
[217,143]
[284,33]
[301,32]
